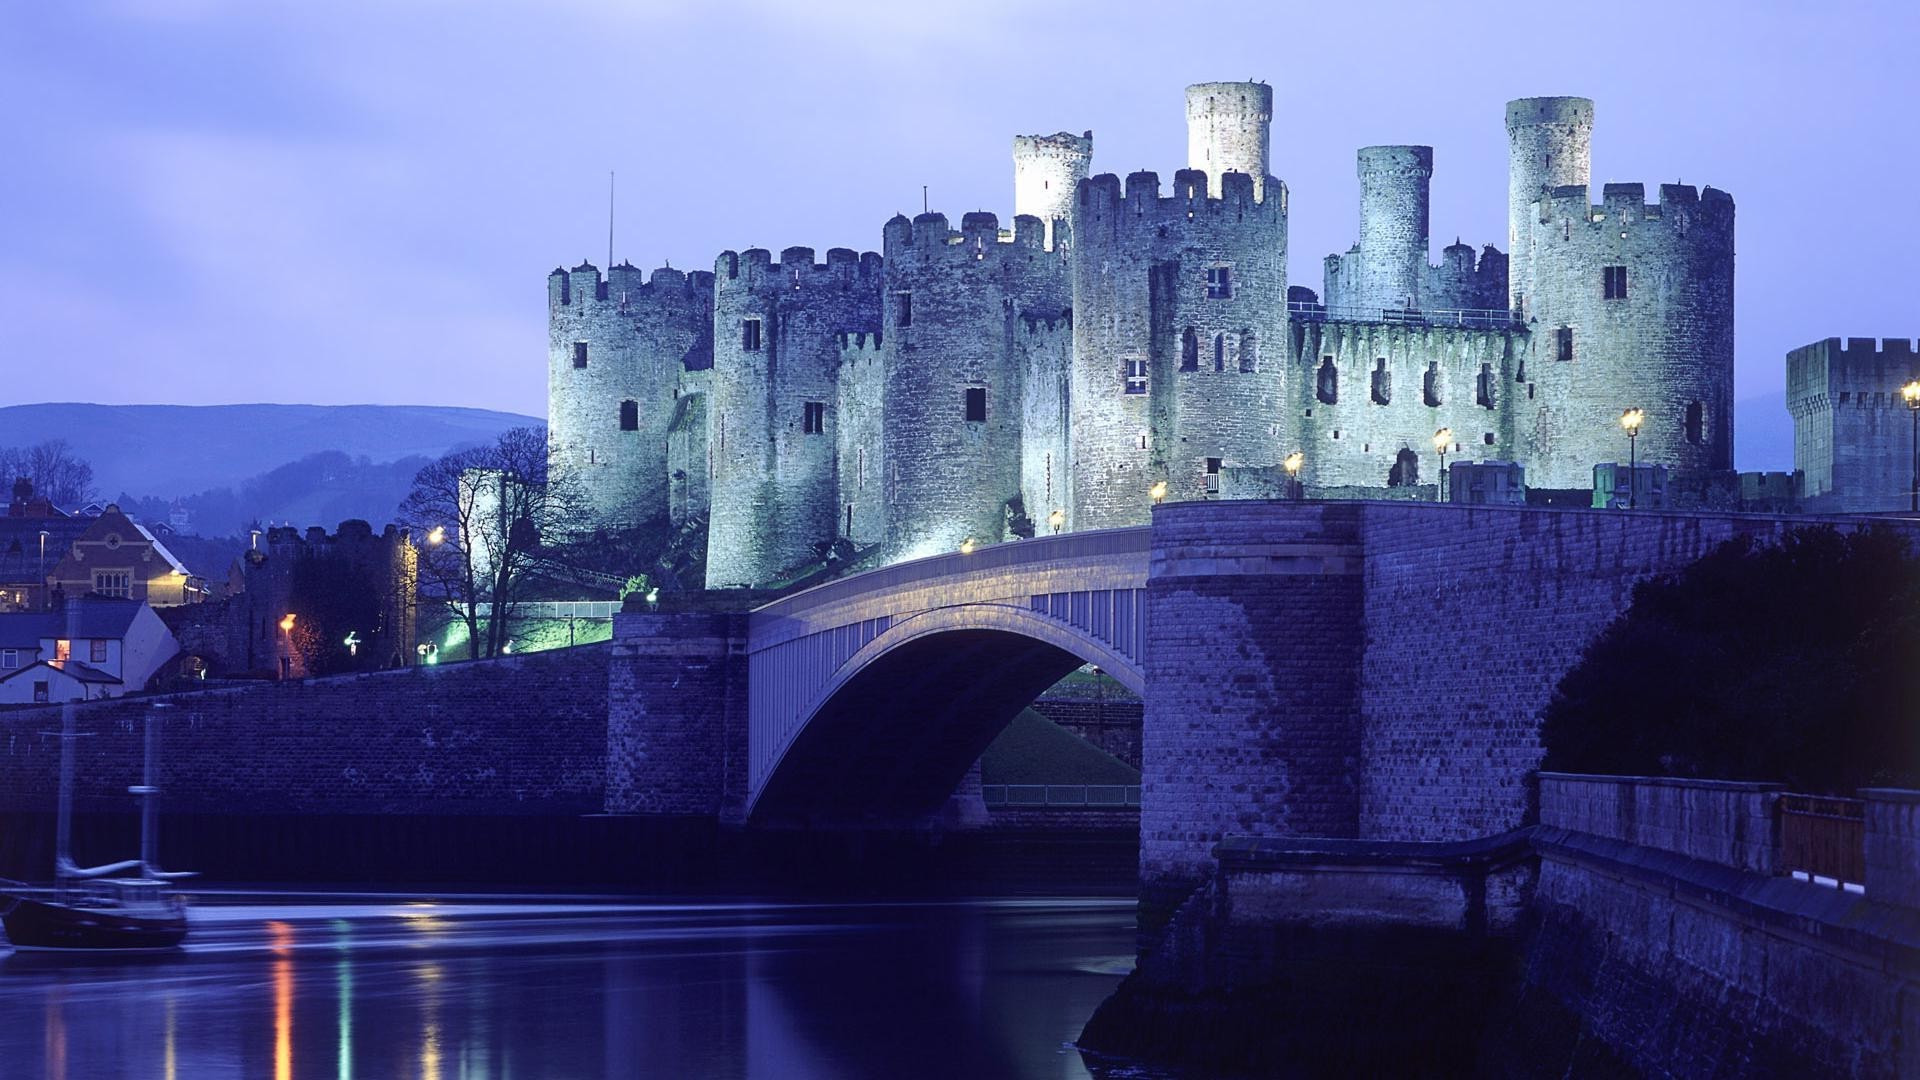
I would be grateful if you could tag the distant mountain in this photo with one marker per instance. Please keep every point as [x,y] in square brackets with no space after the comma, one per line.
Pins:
[1763,433]
[164,451]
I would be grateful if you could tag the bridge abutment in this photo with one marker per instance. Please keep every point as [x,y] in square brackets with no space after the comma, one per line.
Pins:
[1254,643]
[677,715]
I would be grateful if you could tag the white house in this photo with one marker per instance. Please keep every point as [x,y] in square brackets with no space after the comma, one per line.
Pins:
[96,648]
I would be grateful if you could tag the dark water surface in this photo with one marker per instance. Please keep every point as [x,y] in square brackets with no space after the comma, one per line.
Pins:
[377,988]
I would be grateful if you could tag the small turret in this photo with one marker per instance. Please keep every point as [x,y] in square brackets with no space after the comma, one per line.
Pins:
[1047,169]
[1228,128]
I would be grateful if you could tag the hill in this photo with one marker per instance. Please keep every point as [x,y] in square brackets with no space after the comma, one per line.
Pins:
[164,451]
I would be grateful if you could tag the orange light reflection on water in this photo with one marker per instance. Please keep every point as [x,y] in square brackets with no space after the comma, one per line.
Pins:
[282,946]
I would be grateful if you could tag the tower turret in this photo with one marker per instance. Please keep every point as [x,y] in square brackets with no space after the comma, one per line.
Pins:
[1228,128]
[1046,170]
[1393,225]
[1549,145]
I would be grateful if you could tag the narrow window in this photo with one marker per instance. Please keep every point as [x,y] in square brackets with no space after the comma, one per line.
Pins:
[1136,375]
[629,416]
[1140,442]
[1249,352]
[1220,283]
[1696,423]
[591,460]
[813,418]
[1563,343]
[976,404]
[1382,382]
[1213,476]
[860,467]
[1190,350]
[903,309]
[1614,282]
[750,335]
[1487,438]
[579,354]
[849,531]
[1483,387]
[1219,352]
[1327,387]
[1430,386]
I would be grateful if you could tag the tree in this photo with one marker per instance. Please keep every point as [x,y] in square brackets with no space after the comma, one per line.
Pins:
[57,474]
[1791,662]
[491,520]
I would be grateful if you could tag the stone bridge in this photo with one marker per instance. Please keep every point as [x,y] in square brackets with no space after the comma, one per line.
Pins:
[1366,670]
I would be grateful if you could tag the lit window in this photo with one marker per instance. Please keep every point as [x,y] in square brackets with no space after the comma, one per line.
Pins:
[1136,376]
[1220,283]
[750,335]
[579,354]
[629,416]
[813,417]
[976,404]
[113,583]
[62,651]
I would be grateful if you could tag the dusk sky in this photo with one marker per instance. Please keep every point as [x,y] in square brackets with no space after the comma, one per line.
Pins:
[214,201]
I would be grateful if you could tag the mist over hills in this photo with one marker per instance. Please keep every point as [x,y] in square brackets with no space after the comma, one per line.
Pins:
[171,450]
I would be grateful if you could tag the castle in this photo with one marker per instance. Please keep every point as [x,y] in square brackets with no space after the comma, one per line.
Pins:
[980,383]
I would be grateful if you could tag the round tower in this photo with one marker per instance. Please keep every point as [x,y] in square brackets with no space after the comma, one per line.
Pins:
[773,423]
[953,347]
[618,347]
[1228,128]
[1179,340]
[1393,225]
[1046,171]
[1549,145]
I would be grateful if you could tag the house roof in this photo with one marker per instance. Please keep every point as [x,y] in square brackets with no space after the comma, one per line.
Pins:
[95,617]
[25,629]
[72,669]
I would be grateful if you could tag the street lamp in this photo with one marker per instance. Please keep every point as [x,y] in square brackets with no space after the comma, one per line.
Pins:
[1158,492]
[1292,465]
[1911,394]
[1441,439]
[966,546]
[1631,420]
[1057,519]
[437,534]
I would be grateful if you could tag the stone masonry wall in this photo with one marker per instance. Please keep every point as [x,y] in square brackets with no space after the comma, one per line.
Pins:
[1852,433]
[676,722]
[518,735]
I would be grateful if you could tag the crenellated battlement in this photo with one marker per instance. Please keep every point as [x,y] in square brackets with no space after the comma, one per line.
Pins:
[979,239]
[754,270]
[857,346]
[1681,207]
[584,288]
[1141,199]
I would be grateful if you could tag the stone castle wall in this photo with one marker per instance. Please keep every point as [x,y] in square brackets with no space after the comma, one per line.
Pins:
[1852,432]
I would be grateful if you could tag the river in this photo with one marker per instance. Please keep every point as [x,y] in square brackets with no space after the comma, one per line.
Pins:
[503,988]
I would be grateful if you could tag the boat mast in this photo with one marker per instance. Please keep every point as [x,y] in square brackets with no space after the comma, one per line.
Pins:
[69,723]
[149,793]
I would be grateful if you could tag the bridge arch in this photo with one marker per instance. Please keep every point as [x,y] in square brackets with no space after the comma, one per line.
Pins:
[869,701]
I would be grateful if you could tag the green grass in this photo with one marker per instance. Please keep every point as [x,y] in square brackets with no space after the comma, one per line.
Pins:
[1035,750]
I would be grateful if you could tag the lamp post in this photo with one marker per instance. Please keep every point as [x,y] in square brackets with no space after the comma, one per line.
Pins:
[1911,394]
[1631,419]
[1057,519]
[1441,439]
[46,594]
[1292,465]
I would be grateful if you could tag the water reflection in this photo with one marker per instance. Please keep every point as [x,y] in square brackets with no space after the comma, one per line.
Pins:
[475,991]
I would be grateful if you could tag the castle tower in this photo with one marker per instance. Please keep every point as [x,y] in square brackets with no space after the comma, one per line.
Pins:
[1631,307]
[1046,171]
[1179,338]
[1549,145]
[1393,225]
[773,427]
[618,347]
[962,310]
[1228,128]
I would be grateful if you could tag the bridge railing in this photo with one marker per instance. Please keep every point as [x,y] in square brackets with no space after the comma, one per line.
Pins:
[1077,796]
[1013,554]
[1470,318]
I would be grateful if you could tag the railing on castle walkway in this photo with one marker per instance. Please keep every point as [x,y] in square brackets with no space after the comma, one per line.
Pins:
[1467,318]
[1823,837]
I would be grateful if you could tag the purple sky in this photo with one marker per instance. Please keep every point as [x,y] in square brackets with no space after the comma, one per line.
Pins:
[206,201]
